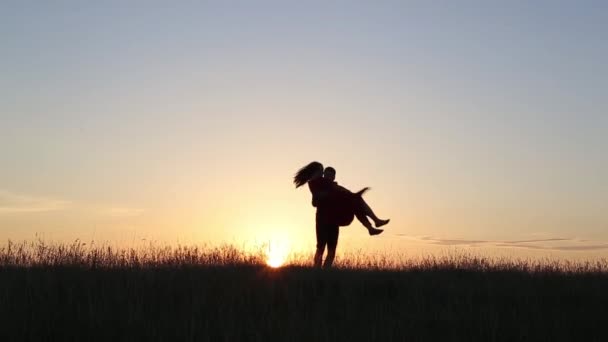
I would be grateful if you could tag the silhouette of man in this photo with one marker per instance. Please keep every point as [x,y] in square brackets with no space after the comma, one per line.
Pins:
[327,227]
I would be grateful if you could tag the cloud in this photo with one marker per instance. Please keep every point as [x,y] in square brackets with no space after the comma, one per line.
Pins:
[576,246]
[555,244]
[582,248]
[14,203]
[11,203]
[542,240]
[454,242]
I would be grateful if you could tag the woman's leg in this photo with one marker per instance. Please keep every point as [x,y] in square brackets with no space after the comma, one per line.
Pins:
[367,211]
[332,242]
[361,215]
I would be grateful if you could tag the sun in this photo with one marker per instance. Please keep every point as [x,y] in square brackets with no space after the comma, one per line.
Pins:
[275,261]
[276,254]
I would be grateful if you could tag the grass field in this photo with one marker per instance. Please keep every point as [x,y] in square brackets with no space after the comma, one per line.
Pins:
[87,293]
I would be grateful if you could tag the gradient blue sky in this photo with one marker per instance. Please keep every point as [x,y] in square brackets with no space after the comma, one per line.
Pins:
[472,121]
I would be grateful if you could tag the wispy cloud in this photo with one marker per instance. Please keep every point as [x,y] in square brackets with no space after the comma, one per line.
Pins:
[21,203]
[583,248]
[556,244]
[542,240]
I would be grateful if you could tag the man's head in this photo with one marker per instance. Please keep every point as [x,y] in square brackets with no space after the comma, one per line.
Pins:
[329,173]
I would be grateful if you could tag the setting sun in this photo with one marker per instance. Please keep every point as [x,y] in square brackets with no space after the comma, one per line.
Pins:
[277,253]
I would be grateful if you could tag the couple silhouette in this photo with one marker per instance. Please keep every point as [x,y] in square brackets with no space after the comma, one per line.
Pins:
[336,207]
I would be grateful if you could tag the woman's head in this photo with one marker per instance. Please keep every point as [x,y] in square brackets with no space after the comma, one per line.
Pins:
[308,172]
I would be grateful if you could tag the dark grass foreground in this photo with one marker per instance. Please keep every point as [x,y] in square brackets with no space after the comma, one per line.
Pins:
[187,294]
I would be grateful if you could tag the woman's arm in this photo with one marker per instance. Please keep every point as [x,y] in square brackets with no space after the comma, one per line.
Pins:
[320,189]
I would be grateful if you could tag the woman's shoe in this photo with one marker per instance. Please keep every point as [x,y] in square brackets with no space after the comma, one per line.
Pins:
[381,223]
[374,231]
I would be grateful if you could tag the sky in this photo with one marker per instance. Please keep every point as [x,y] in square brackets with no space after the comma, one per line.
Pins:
[479,125]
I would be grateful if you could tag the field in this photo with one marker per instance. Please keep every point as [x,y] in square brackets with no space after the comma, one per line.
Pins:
[93,293]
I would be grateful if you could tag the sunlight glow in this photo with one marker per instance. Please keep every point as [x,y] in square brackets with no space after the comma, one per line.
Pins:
[277,253]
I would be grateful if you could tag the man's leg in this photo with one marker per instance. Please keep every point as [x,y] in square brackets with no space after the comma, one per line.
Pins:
[332,242]
[321,242]
[319,256]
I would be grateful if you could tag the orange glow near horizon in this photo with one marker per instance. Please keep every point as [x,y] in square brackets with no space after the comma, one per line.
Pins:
[277,253]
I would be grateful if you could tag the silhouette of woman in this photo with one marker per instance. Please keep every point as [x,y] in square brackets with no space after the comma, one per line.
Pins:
[336,206]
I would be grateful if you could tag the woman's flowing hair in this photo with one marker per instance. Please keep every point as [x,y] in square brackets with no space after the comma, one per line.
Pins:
[305,174]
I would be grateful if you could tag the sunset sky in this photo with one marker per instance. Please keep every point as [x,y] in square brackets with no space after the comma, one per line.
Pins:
[478,125]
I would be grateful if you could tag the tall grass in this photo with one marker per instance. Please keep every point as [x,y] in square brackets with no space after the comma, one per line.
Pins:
[90,255]
[89,292]
[80,254]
